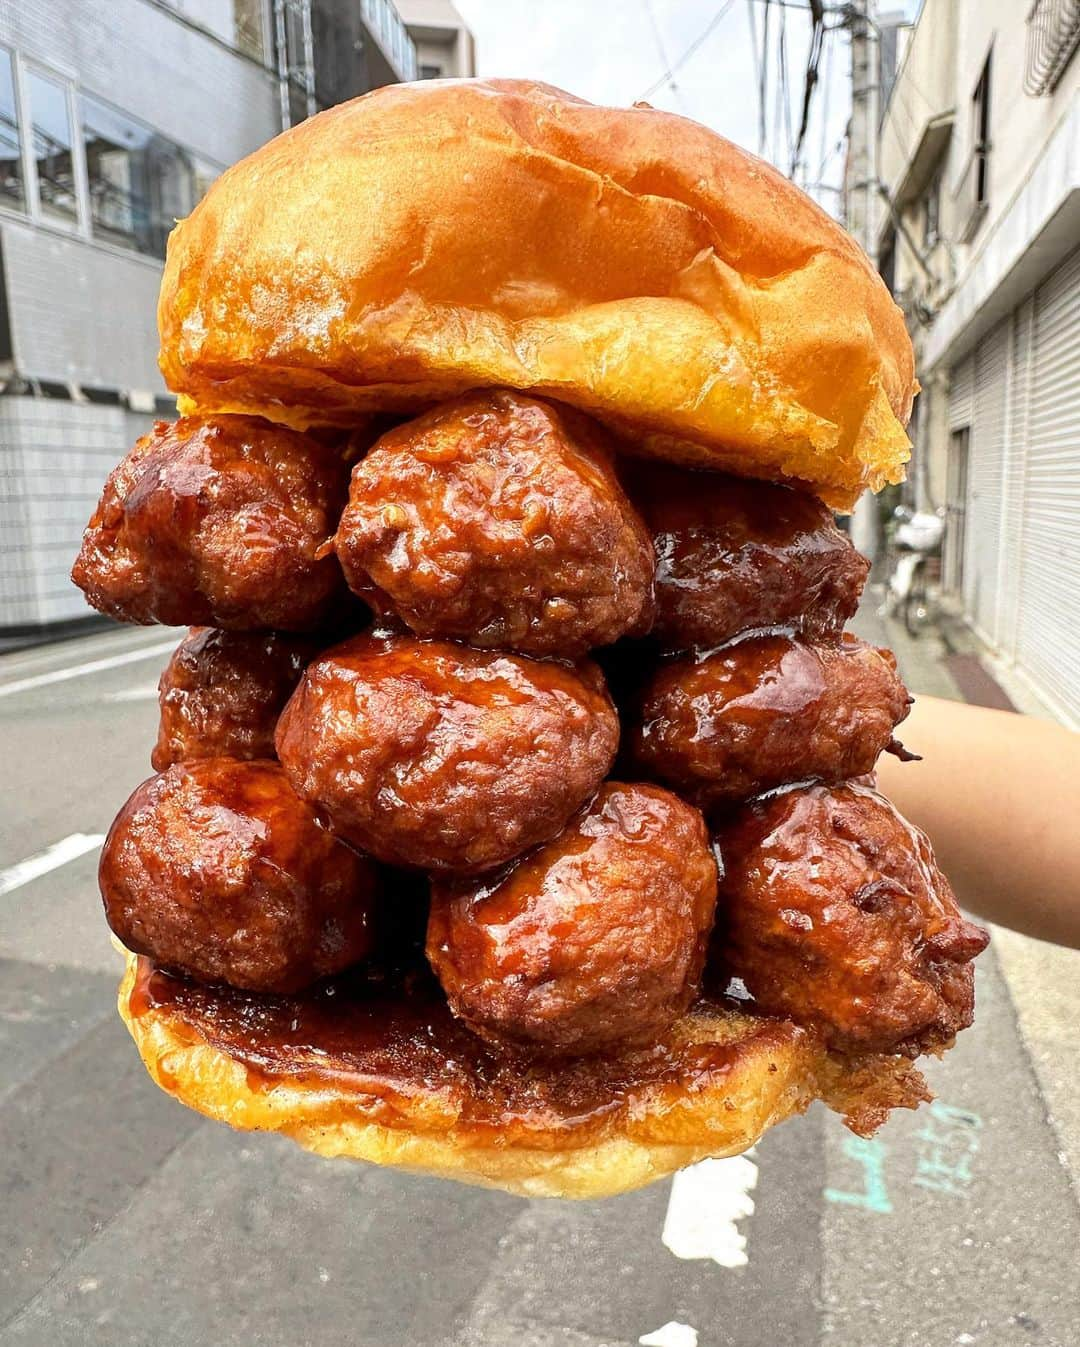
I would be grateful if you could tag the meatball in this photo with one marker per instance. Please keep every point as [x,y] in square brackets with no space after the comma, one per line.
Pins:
[216,869]
[835,914]
[734,554]
[222,692]
[434,755]
[597,938]
[497,520]
[217,522]
[769,710]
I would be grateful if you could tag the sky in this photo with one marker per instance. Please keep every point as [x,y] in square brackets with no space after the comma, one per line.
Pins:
[614,51]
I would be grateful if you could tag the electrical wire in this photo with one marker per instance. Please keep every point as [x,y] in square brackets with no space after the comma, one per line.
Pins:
[813,60]
[763,82]
[668,76]
[759,67]
[783,93]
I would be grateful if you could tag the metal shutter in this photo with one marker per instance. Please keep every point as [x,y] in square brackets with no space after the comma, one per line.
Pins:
[961,393]
[987,456]
[1048,629]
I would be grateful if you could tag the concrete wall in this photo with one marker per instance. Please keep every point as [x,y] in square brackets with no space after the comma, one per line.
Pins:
[54,458]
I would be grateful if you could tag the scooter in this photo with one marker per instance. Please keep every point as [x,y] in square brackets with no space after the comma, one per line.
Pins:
[915,549]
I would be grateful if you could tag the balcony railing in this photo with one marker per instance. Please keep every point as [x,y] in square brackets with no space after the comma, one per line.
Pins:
[1053,34]
[393,37]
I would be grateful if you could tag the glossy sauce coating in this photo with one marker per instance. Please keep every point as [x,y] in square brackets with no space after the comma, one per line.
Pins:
[496,519]
[396,1044]
[768,710]
[216,521]
[833,911]
[433,755]
[216,869]
[222,691]
[597,938]
[734,554]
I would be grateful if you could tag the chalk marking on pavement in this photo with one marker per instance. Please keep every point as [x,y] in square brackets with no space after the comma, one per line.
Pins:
[52,858]
[78,670]
[672,1334]
[145,692]
[706,1202]
[870,1153]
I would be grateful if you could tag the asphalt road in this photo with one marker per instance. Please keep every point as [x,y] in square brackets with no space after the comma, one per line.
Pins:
[125,1219]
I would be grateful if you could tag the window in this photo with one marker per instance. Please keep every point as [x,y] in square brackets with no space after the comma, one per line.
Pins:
[980,103]
[140,182]
[12,193]
[51,139]
[431,72]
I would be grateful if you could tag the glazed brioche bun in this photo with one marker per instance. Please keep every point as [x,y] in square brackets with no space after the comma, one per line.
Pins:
[706,1103]
[429,238]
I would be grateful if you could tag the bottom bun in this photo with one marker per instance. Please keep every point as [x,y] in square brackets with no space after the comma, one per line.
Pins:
[387,1075]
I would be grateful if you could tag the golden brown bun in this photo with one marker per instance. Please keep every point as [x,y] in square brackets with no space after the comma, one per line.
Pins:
[434,237]
[772,1070]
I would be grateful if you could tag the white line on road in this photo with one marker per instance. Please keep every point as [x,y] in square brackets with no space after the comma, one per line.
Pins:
[672,1334]
[78,670]
[706,1202]
[52,858]
[145,692]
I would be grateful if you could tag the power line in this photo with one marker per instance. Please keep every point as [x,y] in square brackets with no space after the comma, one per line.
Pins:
[783,93]
[658,38]
[763,85]
[668,76]
[817,34]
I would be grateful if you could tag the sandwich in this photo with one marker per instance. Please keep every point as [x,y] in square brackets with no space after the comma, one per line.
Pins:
[513,815]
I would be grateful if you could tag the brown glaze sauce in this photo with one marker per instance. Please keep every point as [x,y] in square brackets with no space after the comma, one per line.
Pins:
[393,1043]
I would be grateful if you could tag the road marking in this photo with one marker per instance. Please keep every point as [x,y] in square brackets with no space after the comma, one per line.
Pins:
[145,692]
[52,858]
[706,1202]
[672,1334]
[78,670]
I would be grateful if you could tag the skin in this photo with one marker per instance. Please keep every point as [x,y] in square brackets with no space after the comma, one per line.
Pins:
[765,711]
[217,521]
[433,755]
[222,692]
[1000,795]
[595,939]
[215,868]
[496,519]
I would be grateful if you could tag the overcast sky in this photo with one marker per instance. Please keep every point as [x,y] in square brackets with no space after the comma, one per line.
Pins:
[613,51]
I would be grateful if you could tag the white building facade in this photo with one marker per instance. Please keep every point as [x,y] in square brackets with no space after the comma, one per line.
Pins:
[114,118]
[980,158]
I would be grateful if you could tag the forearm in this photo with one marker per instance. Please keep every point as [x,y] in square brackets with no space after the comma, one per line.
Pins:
[999,796]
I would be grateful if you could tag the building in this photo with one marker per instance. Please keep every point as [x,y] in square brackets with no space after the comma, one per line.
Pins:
[444,45]
[114,118]
[979,166]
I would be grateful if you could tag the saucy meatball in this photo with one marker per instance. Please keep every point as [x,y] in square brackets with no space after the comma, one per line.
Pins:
[433,755]
[496,519]
[768,710]
[597,938]
[734,554]
[216,521]
[835,914]
[222,691]
[216,869]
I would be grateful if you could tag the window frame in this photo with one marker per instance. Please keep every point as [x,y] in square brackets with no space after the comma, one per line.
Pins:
[31,214]
[80,226]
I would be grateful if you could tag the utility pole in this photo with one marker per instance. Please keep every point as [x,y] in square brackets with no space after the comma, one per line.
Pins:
[861,195]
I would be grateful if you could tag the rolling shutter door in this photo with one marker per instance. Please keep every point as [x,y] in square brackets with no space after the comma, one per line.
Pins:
[1048,627]
[987,454]
[961,392]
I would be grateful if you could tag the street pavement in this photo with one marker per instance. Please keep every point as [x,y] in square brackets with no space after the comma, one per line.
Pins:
[125,1219]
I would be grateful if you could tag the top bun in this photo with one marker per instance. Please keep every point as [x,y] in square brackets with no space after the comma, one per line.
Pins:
[434,237]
